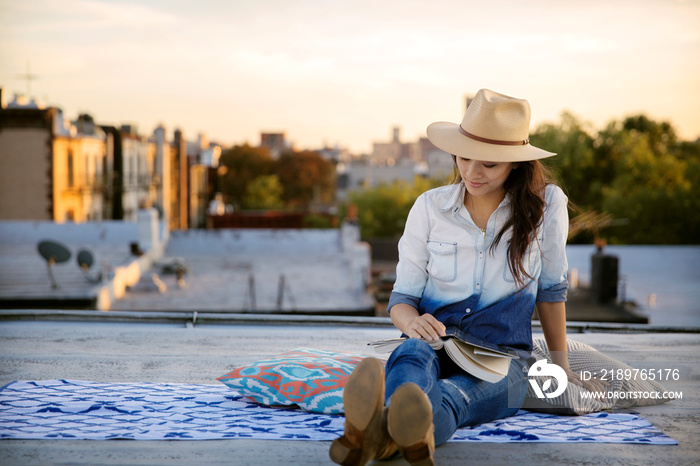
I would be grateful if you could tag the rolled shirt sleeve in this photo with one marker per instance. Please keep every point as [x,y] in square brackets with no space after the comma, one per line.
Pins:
[400,298]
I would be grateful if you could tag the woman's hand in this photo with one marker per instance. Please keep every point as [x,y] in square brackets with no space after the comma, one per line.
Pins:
[426,327]
[592,385]
[411,323]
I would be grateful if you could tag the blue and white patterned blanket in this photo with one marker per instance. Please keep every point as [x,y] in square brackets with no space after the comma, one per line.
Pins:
[147,411]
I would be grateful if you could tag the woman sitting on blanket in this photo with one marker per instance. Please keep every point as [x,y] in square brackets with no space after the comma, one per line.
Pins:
[476,258]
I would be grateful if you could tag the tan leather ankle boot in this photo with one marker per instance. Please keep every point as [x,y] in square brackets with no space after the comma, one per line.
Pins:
[366,436]
[410,424]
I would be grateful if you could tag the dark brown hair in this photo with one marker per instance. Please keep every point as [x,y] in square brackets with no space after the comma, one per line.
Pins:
[526,185]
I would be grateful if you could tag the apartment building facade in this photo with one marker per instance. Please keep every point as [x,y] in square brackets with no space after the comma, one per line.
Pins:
[54,169]
[51,169]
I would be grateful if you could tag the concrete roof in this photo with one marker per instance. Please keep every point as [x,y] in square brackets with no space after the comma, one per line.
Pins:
[187,353]
[309,271]
[291,270]
[24,274]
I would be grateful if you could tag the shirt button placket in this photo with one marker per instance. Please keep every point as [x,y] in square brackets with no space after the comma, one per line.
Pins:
[480,273]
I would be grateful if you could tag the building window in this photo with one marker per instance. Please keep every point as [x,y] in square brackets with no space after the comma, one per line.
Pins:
[71,180]
[103,174]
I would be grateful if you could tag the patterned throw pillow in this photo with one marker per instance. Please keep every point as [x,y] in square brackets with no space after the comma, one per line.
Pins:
[583,357]
[310,378]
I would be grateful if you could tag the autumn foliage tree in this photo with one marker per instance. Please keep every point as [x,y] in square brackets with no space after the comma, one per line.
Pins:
[305,177]
[252,179]
[243,164]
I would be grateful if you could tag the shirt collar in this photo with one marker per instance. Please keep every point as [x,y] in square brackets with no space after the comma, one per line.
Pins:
[456,199]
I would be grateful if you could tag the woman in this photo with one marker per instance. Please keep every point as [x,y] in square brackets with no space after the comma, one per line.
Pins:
[476,258]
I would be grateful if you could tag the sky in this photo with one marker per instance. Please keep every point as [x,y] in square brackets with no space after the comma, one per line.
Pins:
[344,72]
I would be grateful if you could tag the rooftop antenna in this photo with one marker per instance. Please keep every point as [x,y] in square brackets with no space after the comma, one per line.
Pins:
[54,253]
[29,77]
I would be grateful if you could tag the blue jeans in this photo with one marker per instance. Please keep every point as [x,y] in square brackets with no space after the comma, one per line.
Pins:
[458,399]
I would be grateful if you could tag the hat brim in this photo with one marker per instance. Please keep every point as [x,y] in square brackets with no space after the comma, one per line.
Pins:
[447,137]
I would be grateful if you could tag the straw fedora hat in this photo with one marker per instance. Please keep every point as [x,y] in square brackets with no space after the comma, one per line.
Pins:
[495,128]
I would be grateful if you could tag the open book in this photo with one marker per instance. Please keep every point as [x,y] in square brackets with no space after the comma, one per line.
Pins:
[485,362]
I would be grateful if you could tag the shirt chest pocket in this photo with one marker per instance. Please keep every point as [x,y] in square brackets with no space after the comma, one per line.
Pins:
[442,263]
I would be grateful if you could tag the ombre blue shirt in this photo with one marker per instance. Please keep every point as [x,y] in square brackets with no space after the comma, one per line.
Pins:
[447,267]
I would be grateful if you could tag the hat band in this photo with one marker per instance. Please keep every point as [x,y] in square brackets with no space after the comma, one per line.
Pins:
[522,142]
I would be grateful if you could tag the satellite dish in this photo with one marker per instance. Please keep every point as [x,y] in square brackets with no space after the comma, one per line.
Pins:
[85,259]
[53,253]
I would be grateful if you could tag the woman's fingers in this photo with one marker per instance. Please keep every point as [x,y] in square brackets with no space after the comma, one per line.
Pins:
[427,327]
[419,329]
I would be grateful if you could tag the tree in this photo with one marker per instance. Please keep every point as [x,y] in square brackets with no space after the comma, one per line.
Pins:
[306,177]
[382,210]
[243,165]
[574,166]
[612,142]
[660,135]
[264,192]
[652,185]
[689,223]
[633,169]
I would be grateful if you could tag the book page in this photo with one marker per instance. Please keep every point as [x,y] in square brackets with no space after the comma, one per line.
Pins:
[387,346]
[470,366]
[493,363]
[486,352]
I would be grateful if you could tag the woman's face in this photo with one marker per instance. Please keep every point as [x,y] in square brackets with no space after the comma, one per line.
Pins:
[484,178]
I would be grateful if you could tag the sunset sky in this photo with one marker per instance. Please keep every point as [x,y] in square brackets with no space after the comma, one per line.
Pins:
[344,72]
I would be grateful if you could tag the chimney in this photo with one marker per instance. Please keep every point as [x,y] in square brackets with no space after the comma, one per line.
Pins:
[85,124]
[396,131]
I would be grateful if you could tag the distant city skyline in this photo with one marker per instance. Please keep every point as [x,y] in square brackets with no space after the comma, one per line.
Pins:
[344,72]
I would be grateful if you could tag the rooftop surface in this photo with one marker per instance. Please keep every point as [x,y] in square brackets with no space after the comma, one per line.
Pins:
[180,352]
[256,271]
[24,274]
[287,270]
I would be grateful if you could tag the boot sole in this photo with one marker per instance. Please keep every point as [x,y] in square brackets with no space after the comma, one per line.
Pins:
[410,418]
[363,397]
[364,393]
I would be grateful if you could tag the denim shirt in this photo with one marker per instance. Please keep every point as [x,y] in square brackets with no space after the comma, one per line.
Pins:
[447,267]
